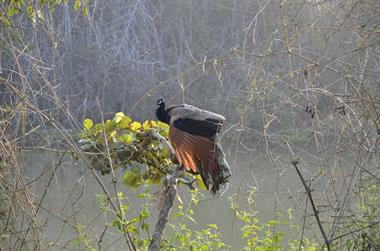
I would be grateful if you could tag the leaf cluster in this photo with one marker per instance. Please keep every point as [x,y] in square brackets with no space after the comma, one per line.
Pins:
[122,142]
[184,237]
[366,220]
[11,8]
[266,236]
[136,225]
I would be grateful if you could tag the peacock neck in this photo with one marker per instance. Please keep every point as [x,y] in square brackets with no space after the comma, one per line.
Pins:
[162,114]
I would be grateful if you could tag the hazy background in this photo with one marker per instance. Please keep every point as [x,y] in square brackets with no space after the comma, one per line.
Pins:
[295,79]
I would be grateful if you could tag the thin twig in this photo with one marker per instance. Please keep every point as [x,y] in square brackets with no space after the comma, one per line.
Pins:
[308,191]
[356,230]
[304,223]
[128,237]
[101,238]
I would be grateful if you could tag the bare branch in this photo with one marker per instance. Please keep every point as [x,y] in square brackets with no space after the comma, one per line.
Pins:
[168,199]
[308,191]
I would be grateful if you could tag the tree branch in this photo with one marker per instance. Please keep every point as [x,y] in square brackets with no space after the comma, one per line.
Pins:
[154,134]
[169,195]
[168,198]
[308,191]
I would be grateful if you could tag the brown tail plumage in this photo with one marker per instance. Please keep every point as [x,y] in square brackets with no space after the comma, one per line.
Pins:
[200,154]
[216,171]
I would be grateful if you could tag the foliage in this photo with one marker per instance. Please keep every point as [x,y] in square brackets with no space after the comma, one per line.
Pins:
[266,236]
[33,11]
[83,241]
[184,238]
[271,235]
[136,225]
[262,64]
[365,227]
[122,142]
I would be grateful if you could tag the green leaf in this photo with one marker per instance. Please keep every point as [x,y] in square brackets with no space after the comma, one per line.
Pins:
[200,182]
[124,122]
[116,223]
[135,126]
[146,125]
[162,125]
[87,123]
[85,11]
[118,117]
[126,138]
[132,179]
[10,11]
[108,125]
[113,134]
[30,11]
[6,21]
[144,214]
[164,133]
[145,227]
[165,153]
[51,5]
[40,15]
[77,5]
[272,222]
[99,127]
[149,124]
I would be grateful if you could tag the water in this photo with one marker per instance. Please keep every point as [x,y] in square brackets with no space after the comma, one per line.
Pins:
[71,193]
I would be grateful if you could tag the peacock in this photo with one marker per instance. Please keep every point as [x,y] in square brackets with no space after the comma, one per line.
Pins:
[193,136]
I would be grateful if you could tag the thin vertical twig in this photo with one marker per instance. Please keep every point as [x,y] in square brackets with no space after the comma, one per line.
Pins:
[127,235]
[308,191]
[101,238]
[303,223]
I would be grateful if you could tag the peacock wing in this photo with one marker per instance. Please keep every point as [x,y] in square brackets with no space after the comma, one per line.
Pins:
[196,121]
[206,128]
[190,150]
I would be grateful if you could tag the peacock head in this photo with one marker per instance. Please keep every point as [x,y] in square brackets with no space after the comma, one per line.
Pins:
[161,114]
[161,101]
